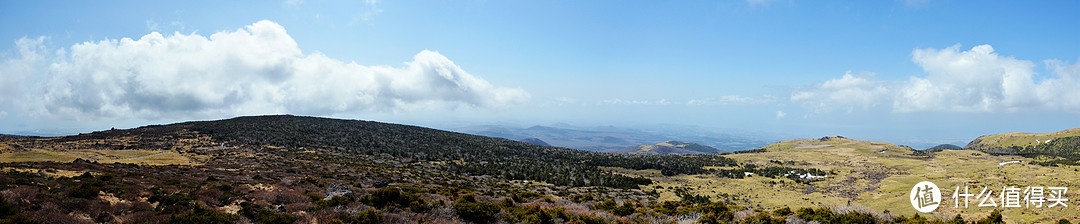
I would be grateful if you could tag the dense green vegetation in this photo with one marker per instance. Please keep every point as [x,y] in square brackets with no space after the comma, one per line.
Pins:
[799,175]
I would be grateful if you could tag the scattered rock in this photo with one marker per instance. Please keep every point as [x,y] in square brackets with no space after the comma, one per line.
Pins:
[380,184]
[338,190]
[280,209]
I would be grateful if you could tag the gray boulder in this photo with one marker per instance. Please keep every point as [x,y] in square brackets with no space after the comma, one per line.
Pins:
[338,190]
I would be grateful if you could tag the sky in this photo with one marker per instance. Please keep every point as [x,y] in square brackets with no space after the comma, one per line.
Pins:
[916,72]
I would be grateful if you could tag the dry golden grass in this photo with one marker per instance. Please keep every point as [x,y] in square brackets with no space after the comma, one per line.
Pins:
[50,172]
[147,157]
[880,176]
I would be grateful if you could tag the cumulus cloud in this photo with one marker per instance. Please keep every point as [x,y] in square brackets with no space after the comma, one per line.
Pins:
[254,70]
[1062,91]
[14,72]
[851,91]
[780,114]
[976,80]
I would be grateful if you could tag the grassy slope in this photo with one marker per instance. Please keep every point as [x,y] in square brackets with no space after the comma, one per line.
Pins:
[879,176]
[991,142]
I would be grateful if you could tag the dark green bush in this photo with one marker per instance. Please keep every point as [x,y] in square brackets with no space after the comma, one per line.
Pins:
[365,217]
[84,190]
[824,215]
[261,214]
[203,216]
[716,212]
[476,211]
[335,201]
[764,218]
[18,219]
[624,210]
[172,203]
[397,196]
[7,209]
[526,196]
[606,205]
[993,218]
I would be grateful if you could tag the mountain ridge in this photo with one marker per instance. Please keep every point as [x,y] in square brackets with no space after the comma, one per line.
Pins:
[671,147]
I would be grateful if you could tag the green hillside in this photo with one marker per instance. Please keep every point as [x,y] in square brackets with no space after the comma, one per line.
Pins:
[1006,143]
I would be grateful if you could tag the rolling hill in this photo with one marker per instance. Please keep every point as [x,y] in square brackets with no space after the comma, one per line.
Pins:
[1049,149]
[854,174]
[1007,142]
[945,146]
[670,147]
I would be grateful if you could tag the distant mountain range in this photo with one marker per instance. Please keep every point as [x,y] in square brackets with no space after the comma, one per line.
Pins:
[610,138]
[671,147]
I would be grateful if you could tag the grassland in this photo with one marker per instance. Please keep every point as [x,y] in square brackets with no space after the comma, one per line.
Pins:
[1018,139]
[878,176]
[117,149]
[147,157]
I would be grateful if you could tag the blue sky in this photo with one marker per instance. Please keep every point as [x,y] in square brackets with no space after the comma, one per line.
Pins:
[907,72]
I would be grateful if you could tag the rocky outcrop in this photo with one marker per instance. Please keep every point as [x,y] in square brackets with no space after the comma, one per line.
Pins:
[338,190]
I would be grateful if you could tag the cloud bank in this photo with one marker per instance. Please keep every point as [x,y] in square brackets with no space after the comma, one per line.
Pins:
[977,81]
[254,70]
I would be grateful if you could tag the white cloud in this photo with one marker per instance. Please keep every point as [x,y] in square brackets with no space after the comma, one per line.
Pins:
[851,91]
[780,114]
[1063,91]
[15,72]
[977,80]
[255,70]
